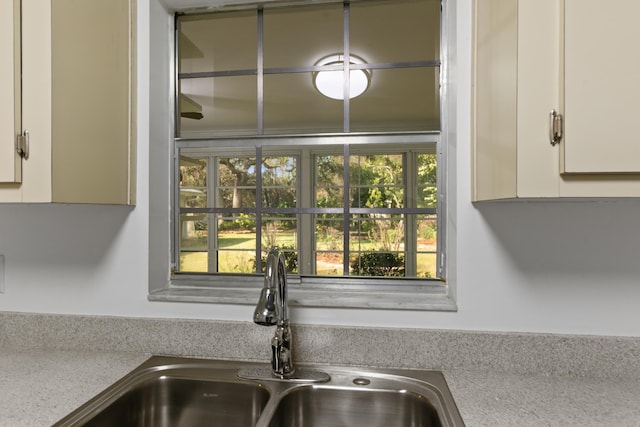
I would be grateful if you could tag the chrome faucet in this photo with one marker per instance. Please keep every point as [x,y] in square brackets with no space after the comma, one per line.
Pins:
[272,310]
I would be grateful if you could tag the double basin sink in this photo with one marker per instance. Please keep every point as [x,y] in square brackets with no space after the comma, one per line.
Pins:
[181,392]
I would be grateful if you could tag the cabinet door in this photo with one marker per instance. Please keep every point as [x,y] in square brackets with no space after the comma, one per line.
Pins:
[92,101]
[10,93]
[601,86]
[495,43]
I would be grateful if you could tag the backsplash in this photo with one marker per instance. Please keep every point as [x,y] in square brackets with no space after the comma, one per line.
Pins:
[519,353]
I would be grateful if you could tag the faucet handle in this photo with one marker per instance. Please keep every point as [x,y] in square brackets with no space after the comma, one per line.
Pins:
[268,311]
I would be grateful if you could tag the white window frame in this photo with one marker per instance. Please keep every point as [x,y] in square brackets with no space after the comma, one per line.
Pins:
[350,292]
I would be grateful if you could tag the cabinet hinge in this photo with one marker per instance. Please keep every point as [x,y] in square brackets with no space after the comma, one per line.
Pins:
[555,127]
[22,144]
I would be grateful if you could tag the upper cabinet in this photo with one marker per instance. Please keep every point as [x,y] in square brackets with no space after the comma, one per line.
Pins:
[10,92]
[601,86]
[556,99]
[77,102]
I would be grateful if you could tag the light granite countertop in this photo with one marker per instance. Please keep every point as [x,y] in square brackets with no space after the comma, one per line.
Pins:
[51,364]
[40,387]
[506,399]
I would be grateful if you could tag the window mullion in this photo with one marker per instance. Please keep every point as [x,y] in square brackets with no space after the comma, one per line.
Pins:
[212,223]
[259,208]
[441,209]
[347,72]
[306,199]
[260,72]
[410,224]
[176,214]
[346,201]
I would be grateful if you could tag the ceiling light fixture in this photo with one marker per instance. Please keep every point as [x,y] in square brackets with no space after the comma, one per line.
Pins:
[331,83]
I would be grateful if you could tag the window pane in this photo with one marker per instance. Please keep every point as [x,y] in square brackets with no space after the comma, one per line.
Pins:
[329,232]
[427,193]
[279,182]
[278,197]
[427,265]
[397,30]
[427,169]
[377,181]
[237,232]
[427,233]
[378,264]
[236,182]
[329,245]
[329,181]
[279,171]
[290,260]
[193,243]
[377,232]
[220,105]
[218,42]
[193,182]
[281,231]
[236,244]
[360,236]
[427,246]
[329,263]
[236,261]
[403,99]
[194,262]
[237,197]
[293,105]
[301,36]
[193,235]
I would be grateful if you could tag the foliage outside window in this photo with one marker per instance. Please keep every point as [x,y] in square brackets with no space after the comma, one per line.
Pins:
[347,188]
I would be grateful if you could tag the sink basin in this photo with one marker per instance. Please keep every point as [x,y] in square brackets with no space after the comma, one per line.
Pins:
[167,401]
[329,407]
[175,392]
[180,392]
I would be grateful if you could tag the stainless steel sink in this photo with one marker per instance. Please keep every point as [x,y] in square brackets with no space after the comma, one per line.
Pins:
[171,391]
[328,407]
[184,402]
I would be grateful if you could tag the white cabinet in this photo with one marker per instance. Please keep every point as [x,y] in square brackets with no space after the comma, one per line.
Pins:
[601,86]
[78,102]
[10,93]
[535,56]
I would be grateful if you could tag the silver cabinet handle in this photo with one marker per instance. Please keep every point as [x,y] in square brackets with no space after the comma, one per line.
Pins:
[22,144]
[555,127]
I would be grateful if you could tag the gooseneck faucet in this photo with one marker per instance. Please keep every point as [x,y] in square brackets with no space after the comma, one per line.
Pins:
[272,310]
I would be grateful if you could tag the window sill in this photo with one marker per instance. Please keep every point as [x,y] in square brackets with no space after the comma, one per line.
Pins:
[435,299]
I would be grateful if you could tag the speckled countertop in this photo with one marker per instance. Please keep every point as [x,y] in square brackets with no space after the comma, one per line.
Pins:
[40,387]
[50,365]
[504,399]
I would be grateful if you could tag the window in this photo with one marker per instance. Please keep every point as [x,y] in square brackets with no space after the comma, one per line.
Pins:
[347,180]
[385,225]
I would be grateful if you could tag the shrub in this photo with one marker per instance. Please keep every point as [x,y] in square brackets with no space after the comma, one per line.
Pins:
[379,264]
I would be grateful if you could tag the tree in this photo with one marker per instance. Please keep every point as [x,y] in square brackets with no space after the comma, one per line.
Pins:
[427,179]
[237,172]
[378,183]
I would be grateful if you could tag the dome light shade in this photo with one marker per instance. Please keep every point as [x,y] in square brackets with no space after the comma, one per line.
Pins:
[331,83]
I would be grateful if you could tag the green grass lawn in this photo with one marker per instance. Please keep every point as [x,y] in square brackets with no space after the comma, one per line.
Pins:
[236,254]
